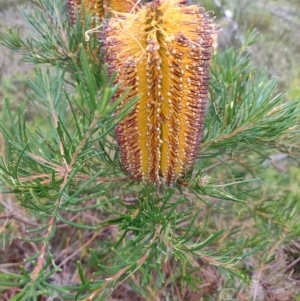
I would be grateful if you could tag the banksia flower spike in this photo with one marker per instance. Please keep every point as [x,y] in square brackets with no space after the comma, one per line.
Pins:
[99,8]
[162,52]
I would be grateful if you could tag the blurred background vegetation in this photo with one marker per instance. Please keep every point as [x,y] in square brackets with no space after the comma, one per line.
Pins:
[276,51]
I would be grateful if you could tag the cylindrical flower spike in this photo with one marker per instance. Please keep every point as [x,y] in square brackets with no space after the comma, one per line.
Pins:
[99,8]
[162,52]
[94,7]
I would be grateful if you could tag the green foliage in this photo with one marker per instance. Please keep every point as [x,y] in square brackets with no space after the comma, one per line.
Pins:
[67,177]
[245,112]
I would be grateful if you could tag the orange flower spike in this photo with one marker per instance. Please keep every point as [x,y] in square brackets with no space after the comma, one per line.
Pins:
[162,52]
[94,7]
[99,8]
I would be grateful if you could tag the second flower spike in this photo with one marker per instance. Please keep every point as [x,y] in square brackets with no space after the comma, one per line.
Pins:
[162,53]
[99,8]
